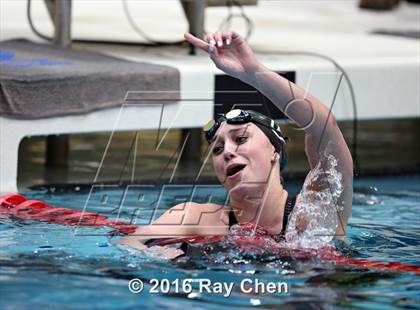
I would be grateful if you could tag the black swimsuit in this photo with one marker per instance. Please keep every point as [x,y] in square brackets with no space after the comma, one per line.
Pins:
[290,203]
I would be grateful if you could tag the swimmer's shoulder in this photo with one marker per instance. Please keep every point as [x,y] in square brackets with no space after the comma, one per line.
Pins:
[193,218]
[205,218]
[182,220]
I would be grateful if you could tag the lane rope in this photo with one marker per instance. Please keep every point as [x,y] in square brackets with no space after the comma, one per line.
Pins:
[19,206]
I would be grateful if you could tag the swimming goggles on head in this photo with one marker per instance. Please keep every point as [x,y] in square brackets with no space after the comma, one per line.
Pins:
[238,116]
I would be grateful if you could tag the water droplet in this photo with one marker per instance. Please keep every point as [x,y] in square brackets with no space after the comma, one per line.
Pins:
[193,295]
[255,302]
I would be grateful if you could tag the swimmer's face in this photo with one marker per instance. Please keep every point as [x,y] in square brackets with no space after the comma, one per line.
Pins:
[242,157]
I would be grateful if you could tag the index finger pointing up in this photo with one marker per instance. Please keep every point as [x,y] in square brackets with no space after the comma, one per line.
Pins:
[198,42]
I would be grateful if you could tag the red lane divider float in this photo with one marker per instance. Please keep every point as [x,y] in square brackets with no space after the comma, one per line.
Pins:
[249,243]
[19,206]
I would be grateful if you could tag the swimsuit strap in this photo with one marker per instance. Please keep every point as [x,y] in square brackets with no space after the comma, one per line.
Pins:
[232,218]
[288,208]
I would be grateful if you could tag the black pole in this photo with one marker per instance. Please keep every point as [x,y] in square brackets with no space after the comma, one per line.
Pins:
[57,150]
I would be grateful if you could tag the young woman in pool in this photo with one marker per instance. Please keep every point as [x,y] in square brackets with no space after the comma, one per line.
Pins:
[248,152]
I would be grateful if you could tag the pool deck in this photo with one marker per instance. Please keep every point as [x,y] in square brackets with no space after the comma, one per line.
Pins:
[384,70]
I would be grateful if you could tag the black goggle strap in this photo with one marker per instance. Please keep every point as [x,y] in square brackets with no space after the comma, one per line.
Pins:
[211,127]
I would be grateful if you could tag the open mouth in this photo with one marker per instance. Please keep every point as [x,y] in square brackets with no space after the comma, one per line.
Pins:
[234,169]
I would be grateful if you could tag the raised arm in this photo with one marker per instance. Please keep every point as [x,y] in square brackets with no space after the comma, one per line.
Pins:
[231,54]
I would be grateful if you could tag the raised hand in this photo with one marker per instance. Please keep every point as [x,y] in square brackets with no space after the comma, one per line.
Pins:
[229,52]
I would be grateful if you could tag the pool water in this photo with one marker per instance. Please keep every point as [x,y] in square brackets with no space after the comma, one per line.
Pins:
[52,266]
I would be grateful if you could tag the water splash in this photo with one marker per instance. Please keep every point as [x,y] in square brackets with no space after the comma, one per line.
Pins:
[317,207]
[314,220]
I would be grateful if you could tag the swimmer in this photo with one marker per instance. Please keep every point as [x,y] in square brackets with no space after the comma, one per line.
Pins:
[248,152]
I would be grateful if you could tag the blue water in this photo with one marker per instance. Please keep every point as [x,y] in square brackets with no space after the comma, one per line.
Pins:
[52,266]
